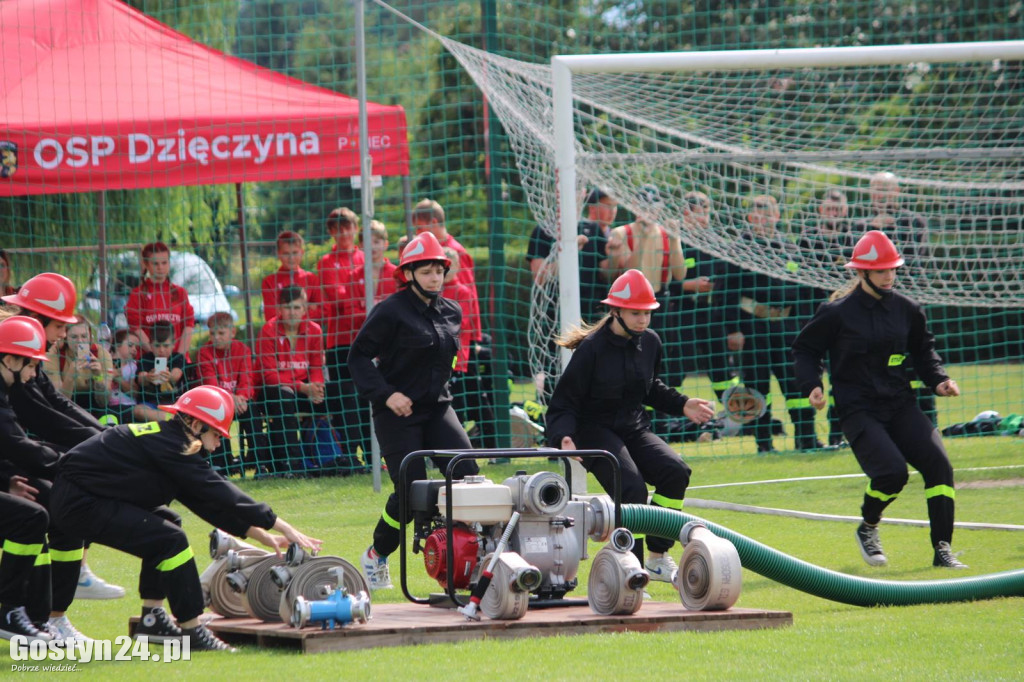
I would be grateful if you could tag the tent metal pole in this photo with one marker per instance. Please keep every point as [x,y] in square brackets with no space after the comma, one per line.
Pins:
[410,231]
[101,218]
[366,195]
[244,253]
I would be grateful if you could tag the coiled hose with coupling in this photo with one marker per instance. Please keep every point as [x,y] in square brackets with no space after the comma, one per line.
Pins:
[822,582]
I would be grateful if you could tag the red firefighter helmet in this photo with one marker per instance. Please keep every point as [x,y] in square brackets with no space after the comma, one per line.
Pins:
[211,405]
[875,251]
[423,247]
[632,290]
[24,336]
[48,294]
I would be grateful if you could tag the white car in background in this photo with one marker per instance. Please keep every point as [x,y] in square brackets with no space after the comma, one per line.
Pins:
[205,292]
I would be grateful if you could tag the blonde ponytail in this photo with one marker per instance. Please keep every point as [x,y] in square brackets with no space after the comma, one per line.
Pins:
[575,336]
[845,290]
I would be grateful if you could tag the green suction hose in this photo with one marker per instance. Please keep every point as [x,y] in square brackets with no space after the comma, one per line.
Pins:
[822,582]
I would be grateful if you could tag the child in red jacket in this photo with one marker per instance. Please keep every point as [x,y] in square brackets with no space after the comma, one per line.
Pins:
[227,363]
[290,250]
[289,361]
[156,299]
[470,400]
[351,416]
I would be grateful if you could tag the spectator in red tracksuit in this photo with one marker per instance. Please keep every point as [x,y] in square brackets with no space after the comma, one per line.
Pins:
[429,216]
[289,363]
[598,404]
[227,363]
[157,299]
[113,489]
[43,410]
[290,250]
[349,414]
[333,269]
[468,396]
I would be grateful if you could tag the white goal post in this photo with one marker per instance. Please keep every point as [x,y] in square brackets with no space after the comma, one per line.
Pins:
[568,187]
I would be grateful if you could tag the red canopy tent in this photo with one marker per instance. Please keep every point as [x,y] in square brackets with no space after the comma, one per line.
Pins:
[95,95]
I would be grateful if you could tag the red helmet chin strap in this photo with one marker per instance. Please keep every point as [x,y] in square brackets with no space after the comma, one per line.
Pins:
[617,316]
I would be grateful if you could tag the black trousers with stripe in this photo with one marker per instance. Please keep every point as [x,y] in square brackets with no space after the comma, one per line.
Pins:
[766,352]
[643,458]
[23,525]
[885,441]
[154,535]
[65,557]
[434,427]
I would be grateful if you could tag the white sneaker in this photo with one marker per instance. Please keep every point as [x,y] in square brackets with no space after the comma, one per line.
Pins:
[62,630]
[663,568]
[375,570]
[90,586]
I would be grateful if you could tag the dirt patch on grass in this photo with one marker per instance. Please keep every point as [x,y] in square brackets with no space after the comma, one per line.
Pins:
[996,483]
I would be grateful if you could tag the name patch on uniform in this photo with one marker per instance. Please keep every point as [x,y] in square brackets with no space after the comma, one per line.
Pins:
[895,360]
[144,429]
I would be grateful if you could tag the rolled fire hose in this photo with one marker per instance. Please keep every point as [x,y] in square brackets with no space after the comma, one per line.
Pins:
[617,580]
[822,582]
[508,595]
[710,576]
[221,543]
[262,598]
[224,599]
[206,577]
[311,580]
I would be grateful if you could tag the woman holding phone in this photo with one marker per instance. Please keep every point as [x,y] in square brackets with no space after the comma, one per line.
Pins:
[86,370]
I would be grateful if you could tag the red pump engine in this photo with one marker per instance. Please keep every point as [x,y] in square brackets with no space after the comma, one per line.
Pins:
[435,555]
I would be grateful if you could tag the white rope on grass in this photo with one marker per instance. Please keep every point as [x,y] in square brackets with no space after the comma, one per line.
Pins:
[814,516]
[834,477]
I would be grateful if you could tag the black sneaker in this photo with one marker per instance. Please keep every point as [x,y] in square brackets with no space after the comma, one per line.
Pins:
[14,621]
[201,639]
[157,625]
[870,546]
[945,558]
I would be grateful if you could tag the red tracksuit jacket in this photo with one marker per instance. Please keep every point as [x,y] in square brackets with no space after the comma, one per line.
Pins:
[231,368]
[272,284]
[150,302]
[278,363]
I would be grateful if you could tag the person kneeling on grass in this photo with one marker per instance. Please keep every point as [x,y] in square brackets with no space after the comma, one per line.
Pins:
[113,490]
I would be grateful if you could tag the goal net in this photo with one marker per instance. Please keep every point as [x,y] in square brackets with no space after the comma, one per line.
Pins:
[923,142]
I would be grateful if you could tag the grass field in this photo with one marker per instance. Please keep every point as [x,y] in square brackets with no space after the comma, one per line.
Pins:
[979,640]
[828,640]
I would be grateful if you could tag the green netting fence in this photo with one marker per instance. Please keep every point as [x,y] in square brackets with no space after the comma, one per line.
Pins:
[461,155]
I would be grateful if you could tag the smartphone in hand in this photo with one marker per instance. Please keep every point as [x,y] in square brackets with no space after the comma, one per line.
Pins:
[82,351]
[159,364]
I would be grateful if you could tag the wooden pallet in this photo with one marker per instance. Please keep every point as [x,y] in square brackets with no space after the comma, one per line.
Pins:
[406,624]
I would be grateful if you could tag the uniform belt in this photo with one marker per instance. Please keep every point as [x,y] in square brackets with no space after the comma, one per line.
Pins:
[762,311]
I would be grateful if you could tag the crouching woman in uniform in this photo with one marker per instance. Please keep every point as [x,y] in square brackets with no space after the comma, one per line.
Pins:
[113,490]
[598,404]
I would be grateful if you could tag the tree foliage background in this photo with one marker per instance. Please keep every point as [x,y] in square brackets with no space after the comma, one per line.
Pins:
[314,40]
